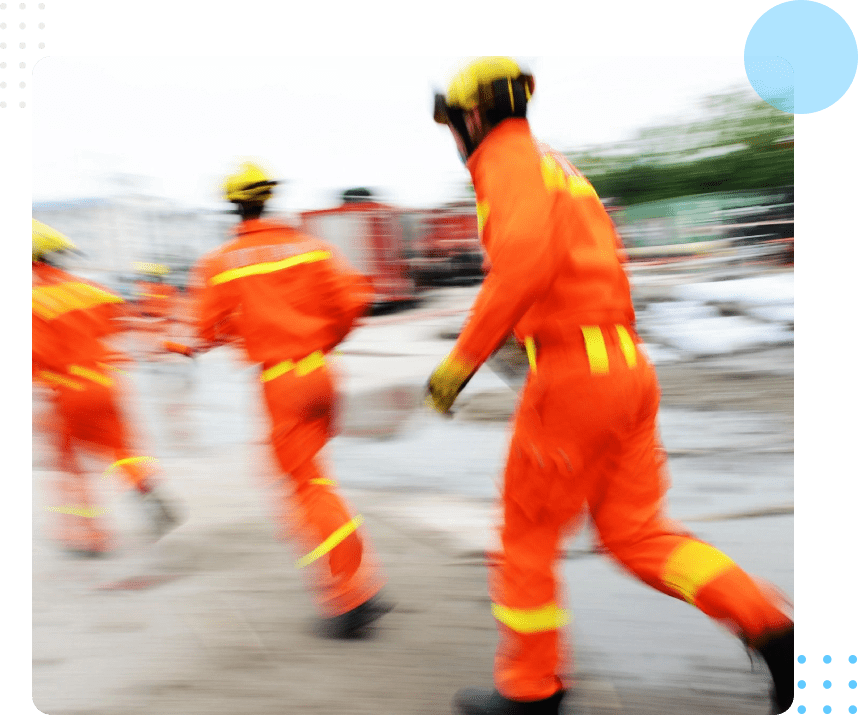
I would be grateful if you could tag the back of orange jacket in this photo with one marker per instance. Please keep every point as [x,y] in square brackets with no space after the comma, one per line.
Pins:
[554,255]
[282,293]
[71,318]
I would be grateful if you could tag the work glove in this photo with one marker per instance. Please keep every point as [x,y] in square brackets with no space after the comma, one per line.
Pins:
[446,382]
[179,348]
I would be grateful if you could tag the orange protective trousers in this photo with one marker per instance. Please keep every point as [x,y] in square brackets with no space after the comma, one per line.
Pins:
[88,418]
[587,438]
[340,565]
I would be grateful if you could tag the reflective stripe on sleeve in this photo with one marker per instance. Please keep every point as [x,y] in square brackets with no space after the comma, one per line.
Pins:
[692,565]
[303,367]
[60,380]
[331,542]
[532,620]
[269,267]
[90,375]
[596,352]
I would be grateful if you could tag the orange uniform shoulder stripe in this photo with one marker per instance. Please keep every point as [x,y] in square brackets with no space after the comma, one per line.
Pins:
[269,267]
[52,301]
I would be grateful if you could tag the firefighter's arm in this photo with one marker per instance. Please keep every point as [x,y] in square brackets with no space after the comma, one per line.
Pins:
[214,307]
[347,294]
[521,271]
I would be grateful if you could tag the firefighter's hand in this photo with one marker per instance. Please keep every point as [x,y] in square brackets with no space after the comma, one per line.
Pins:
[445,384]
[172,347]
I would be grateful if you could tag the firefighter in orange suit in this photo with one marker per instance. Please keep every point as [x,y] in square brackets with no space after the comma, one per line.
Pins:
[71,320]
[156,305]
[585,433]
[289,299]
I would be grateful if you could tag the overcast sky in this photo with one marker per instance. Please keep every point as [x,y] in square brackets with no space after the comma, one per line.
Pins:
[322,124]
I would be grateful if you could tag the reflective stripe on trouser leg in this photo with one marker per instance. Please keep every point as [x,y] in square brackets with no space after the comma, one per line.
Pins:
[714,583]
[691,566]
[532,620]
[136,470]
[331,542]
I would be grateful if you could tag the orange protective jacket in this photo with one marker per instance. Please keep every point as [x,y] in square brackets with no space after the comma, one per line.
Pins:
[71,319]
[554,256]
[282,293]
[155,299]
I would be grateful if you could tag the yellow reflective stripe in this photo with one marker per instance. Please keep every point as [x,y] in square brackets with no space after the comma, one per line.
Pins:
[627,345]
[328,482]
[482,215]
[596,352]
[312,362]
[269,267]
[532,620]
[530,347]
[60,380]
[113,368]
[303,367]
[552,175]
[87,512]
[277,370]
[332,541]
[51,301]
[693,565]
[90,375]
[128,460]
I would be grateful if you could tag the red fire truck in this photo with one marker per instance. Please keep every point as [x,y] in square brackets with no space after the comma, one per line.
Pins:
[369,235]
[444,243]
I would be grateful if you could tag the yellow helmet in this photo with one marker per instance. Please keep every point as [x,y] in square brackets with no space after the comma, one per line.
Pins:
[496,84]
[151,269]
[249,185]
[48,240]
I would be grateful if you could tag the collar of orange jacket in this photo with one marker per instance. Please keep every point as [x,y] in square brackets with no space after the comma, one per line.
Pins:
[514,126]
[257,224]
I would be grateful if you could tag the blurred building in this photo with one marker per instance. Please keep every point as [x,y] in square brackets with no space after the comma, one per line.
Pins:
[118,232]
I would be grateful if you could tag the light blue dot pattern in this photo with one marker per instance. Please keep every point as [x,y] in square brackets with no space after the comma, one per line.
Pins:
[852,659]
[826,659]
[826,709]
[801,708]
[826,684]
[853,709]
[801,659]
[802,684]
[853,684]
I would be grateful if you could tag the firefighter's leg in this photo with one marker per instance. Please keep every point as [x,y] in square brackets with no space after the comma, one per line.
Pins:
[627,509]
[524,585]
[334,548]
[79,518]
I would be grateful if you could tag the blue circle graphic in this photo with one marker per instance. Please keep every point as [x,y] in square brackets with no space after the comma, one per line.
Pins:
[853,709]
[826,659]
[801,708]
[801,56]
[826,684]
[801,659]
[852,659]
[801,684]
[853,684]
[826,709]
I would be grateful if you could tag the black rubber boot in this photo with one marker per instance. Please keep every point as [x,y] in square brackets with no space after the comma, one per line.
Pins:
[162,514]
[477,701]
[354,623]
[779,652]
